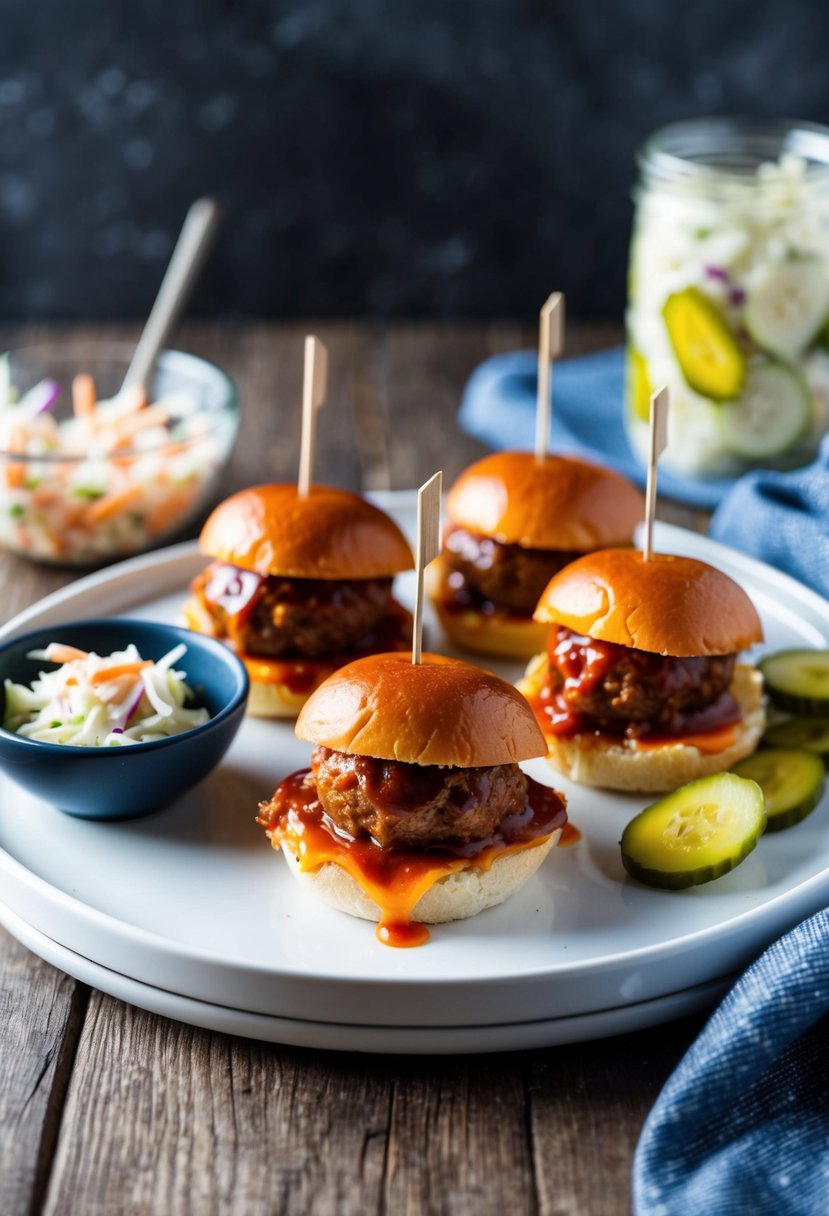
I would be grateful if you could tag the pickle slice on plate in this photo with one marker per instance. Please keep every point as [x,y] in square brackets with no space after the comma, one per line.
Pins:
[771,414]
[787,308]
[706,350]
[792,783]
[805,734]
[696,834]
[798,680]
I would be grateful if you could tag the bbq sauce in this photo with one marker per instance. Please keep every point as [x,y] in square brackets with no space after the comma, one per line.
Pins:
[583,662]
[396,879]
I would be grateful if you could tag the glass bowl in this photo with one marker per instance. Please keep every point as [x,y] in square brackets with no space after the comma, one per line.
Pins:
[89,480]
[123,782]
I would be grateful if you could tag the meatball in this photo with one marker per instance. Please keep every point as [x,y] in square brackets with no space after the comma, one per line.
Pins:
[412,805]
[616,685]
[279,617]
[510,577]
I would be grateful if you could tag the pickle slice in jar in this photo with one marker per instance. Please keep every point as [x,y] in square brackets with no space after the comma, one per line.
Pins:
[771,414]
[638,385]
[706,350]
[786,310]
[792,782]
[696,834]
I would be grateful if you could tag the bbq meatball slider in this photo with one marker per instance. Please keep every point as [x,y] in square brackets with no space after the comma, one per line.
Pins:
[414,810]
[639,687]
[299,585]
[513,520]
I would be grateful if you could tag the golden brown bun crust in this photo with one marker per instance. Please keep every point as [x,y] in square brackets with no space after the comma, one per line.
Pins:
[455,897]
[556,503]
[620,765]
[495,633]
[440,711]
[668,605]
[330,533]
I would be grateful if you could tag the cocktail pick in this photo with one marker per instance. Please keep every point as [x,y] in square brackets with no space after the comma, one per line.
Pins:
[191,249]
[658,442]
[314,387]
[550,345]
[428,547]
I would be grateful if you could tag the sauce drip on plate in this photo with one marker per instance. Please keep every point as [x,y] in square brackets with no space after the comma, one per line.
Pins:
[396,879]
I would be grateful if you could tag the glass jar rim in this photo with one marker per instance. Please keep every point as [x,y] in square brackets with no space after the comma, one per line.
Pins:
[718,150]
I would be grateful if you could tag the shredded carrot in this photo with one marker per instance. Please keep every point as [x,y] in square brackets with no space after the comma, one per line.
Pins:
[170,510]
[83,396]
[125,429]
[59,652]
[46,495]
[111,504]
[16,469]
[105,674]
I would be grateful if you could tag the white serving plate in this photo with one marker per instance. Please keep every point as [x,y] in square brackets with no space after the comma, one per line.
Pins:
[331,1036]
[194,902]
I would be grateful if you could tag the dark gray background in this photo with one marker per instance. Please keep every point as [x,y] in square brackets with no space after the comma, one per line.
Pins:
[375,157]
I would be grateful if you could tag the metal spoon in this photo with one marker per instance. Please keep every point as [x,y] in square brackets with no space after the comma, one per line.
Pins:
[194,241]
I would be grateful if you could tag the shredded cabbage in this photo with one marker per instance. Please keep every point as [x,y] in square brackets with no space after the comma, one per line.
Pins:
[95,701]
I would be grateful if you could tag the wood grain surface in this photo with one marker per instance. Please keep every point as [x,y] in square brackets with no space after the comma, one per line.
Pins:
[109,1111]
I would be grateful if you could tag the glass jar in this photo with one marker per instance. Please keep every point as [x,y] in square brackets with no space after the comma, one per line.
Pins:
[728,294]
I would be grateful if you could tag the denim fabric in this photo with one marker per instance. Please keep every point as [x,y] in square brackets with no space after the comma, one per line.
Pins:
[498,406]
[782,518]
[742,1126]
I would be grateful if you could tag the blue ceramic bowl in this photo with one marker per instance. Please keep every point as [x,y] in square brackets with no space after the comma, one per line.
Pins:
[120,782]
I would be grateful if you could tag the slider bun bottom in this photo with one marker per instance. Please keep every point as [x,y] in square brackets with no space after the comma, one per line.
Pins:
[277,700]
[454,897]
[592,760]
[497,633]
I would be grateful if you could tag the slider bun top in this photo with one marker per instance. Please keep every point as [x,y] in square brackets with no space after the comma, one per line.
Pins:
[555,503]
[328,534]
[668,605]
[439,711]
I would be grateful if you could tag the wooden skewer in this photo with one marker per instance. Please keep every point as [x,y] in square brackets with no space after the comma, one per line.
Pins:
[658,442]
[428,547]
[314,387]
[550,344]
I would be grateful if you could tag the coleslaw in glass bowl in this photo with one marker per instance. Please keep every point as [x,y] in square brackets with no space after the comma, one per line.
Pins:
[90,472]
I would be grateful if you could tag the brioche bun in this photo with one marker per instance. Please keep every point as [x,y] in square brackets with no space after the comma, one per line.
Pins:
[593,759]
[454,897]
[502,634]
[667,605]
[439,711]
[559,502]
[326,534]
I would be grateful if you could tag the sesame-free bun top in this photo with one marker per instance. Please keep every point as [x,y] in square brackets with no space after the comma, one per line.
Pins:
[328,533]
[668,605]
[439,711]
[555,503]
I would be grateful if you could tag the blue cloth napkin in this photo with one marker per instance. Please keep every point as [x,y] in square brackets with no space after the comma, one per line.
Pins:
[742,1126]
[498,406]
[782,518]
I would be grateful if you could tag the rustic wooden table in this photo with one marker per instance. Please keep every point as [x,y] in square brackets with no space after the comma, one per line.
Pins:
[107,1110]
